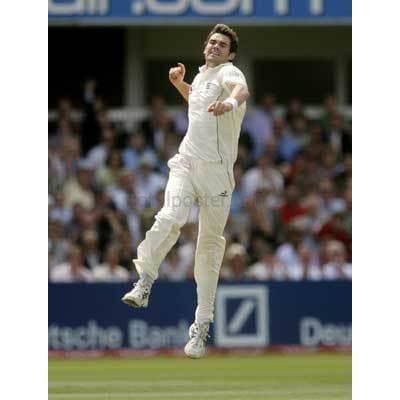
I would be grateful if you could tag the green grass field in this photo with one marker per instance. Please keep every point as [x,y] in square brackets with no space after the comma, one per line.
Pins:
[272,377]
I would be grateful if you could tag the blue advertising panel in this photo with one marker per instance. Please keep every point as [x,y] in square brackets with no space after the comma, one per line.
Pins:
[250,314]
[146,12]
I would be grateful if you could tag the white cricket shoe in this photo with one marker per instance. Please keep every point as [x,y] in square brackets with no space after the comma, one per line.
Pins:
[139,295]
[198,334]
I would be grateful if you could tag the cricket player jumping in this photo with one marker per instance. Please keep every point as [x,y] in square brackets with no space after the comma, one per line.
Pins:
[202,172]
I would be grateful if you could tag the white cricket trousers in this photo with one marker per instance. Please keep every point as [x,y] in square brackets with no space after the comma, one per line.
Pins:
[211,185]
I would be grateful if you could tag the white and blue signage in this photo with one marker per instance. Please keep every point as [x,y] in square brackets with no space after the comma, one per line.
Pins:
[145,12]
[247,314]
[242,316]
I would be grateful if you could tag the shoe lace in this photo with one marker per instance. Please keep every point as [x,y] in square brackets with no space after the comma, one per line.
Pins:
[199,332]
[143,287]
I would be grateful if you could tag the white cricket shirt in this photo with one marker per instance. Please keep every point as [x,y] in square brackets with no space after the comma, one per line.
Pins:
[208,137]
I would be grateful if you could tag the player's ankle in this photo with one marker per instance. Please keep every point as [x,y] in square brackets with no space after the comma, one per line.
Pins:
[147,279]
[201,321]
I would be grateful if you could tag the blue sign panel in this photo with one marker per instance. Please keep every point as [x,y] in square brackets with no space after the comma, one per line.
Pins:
[259,314]
[144,12]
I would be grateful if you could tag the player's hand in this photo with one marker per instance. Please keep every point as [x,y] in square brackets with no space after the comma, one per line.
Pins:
[177,74]
[219,108]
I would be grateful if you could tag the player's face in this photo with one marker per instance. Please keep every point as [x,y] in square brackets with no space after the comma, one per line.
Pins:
[217,50]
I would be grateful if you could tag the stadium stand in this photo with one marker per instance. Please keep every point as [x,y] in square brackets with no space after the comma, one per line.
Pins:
[291,209]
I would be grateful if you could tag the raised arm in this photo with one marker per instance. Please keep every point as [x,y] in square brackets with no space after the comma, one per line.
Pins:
[238,95]
[176,75]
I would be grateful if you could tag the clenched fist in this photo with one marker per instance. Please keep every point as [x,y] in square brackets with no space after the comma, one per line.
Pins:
[176,74]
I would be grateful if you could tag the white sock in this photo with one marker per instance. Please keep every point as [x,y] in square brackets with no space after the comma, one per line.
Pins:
[148,280]
[202,321]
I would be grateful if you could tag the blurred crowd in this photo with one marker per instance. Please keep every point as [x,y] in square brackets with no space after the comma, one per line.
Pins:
[290,214]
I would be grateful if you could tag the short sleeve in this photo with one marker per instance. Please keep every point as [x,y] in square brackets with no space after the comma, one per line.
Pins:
[232,75]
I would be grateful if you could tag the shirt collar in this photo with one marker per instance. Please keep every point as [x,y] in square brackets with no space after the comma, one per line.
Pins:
[204,67]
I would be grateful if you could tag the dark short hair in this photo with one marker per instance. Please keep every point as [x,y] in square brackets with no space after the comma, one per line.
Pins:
[225,30]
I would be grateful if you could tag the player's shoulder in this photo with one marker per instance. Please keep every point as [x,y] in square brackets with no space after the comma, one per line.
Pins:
[230,72]
[230,68]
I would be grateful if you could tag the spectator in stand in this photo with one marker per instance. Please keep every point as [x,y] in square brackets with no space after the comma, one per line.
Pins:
[64,126]
[69,152]
[245,150]
[59,212]
[58,245]
[172,268]
[315,216]
[71,271]
[90,250]
[296,171]
[238,220]
[50,203]
[344,173]
[256,243]
[110,270]
[136,149]
[347,217]
[81,220]
[148,213]
[56,169]
[238,195]
[291,207]
[65,109]
[64,122]
[181,121]
[313,152]
[294,138]
[267,267]
[148,183]
[307,267]
[334,229]
[108,175]
[99,154]
[300,128]
[157,124]
[259,124]
[316,135]
[236,263]
[331,203]
[337,266]
[91,125]
[124,197]
[266,173]
[122,191]
[79,189]
[133,221]
[76,224]
[330,109]
[262,212]
[62,132]
[337,136]
[127,252]
[294,111]
[288,252]
[329,164]
[170,147]
[111,225]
